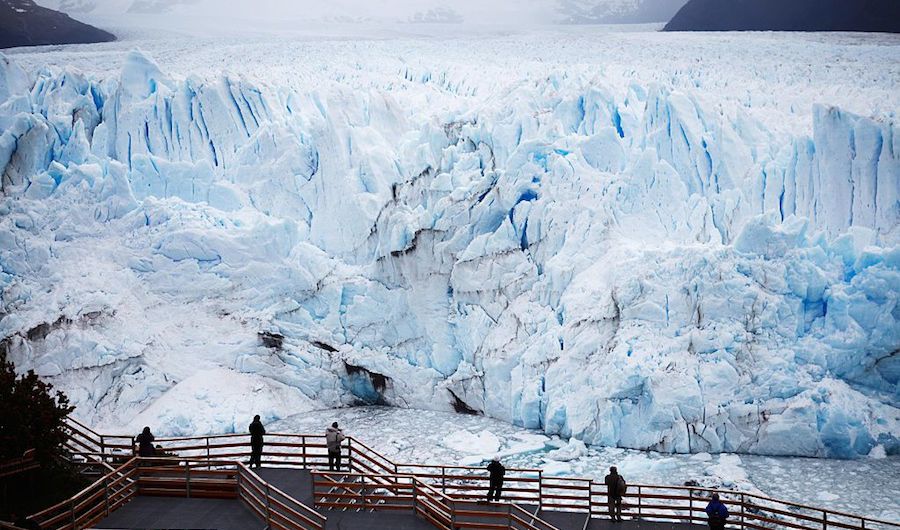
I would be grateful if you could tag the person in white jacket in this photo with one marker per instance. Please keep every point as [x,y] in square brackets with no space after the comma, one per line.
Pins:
[333,438]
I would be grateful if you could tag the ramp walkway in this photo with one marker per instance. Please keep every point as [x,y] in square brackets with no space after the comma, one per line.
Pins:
[202,483]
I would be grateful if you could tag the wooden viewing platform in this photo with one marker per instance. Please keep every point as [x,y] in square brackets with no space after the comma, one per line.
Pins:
[205,484]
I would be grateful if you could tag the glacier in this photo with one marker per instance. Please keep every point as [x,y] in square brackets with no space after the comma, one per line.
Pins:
[632,256]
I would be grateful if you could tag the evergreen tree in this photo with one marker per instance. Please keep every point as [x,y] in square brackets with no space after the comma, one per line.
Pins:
[32,415]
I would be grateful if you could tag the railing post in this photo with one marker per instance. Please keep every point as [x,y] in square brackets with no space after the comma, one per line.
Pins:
[187,478]
[362,491]
[349,454]
[453,514]
[415,497]
[303,446]
[743,507]
[268,508]
[106,494]
[690,506]
[590,499]
[207,450]
[72,513]
[443,480]
[102,449]
[824,520]
[640,496]
[540,490]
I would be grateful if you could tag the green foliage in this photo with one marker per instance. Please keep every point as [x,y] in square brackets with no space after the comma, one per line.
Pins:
[32,415]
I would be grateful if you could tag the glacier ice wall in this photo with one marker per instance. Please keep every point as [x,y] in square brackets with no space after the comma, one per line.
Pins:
[637,268]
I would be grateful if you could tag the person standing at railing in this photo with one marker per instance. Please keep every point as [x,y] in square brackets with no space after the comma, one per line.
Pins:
[615,490]
[497,471]
[717,513]
[145,443]
[256,441]
[333,438]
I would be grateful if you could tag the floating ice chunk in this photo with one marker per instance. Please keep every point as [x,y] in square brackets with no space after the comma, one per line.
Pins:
[573,450]
[480,443]
[556,468]
[878,453]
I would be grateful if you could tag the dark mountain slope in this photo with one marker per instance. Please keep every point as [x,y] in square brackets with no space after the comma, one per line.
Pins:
[617,12]
[788,15]
[24,23]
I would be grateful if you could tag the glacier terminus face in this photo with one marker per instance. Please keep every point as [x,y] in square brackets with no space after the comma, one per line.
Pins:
[683,243]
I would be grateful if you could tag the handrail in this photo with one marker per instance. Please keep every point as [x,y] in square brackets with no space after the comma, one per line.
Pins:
[20,464]
[360,491]
[92,503]
[526,485]
[174,477]
[310,518]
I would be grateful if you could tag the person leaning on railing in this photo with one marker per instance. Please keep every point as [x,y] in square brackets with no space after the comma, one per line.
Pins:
[717,513]
[497,472]
[145,443]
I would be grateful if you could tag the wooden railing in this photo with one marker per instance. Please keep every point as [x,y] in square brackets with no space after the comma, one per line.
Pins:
[527,487]
[93,503]
[90,447]
[277,508]
[374,492]
[16,466]
[174,477]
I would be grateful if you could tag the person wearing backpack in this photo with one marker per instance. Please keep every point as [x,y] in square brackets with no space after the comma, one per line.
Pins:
[333,438]
[717,513]
[615,490]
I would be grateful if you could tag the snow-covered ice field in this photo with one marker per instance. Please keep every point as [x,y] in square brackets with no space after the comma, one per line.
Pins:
[680,243]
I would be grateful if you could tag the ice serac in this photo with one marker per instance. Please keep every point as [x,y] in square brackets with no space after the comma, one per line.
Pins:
[642,268]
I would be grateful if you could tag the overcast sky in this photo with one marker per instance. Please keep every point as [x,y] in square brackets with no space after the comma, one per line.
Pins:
[471,11]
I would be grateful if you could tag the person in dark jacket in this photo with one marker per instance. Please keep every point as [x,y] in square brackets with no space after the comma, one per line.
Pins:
[497,471]
[333,438]
[256,441]
[145,443]
[615,490]
[717,513]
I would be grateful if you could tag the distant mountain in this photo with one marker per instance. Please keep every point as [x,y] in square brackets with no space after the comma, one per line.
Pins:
[76,6]
[618,11]
[788,15]
[24,23]
[154,7]
[437,15]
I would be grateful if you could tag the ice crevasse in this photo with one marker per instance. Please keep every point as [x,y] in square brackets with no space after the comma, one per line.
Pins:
[631,269]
